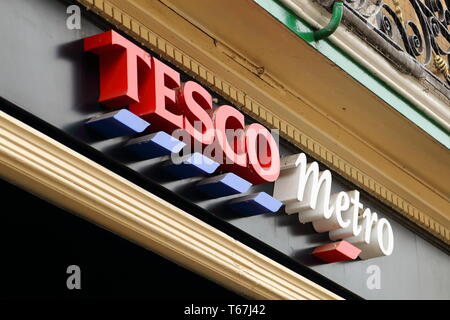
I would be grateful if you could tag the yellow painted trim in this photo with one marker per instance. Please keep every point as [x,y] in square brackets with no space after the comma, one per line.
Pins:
[265,114]
[44,166]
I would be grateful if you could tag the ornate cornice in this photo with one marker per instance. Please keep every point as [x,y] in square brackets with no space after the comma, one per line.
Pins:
[417,27]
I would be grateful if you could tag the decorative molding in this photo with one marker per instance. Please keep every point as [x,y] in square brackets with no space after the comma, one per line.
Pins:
[422,34]
[43,166]
[431,102]
[268,116]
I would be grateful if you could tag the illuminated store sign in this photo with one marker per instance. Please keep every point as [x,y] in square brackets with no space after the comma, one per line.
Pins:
[175,117]
[181,116]
[129,76]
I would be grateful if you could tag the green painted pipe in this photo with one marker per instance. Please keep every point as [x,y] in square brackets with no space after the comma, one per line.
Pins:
[330,28]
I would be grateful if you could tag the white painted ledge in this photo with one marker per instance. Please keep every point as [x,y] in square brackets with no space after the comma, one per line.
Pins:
[51,170]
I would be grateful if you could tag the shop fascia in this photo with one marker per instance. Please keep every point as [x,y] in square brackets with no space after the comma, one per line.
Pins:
[159,103]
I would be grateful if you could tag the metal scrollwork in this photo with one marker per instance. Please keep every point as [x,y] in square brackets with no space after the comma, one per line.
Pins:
[419,38]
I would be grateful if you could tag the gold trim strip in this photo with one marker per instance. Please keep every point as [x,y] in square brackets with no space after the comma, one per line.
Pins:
[42,165]
[295,135]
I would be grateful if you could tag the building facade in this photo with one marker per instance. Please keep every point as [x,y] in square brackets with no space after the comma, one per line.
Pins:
[364,101]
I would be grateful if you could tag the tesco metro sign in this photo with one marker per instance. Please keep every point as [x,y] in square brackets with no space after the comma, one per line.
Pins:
[165,117]
[152,90]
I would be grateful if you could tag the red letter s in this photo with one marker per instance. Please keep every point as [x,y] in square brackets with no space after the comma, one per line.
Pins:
[195,101]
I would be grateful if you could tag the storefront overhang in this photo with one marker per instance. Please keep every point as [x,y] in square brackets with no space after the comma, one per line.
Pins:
[314,103]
